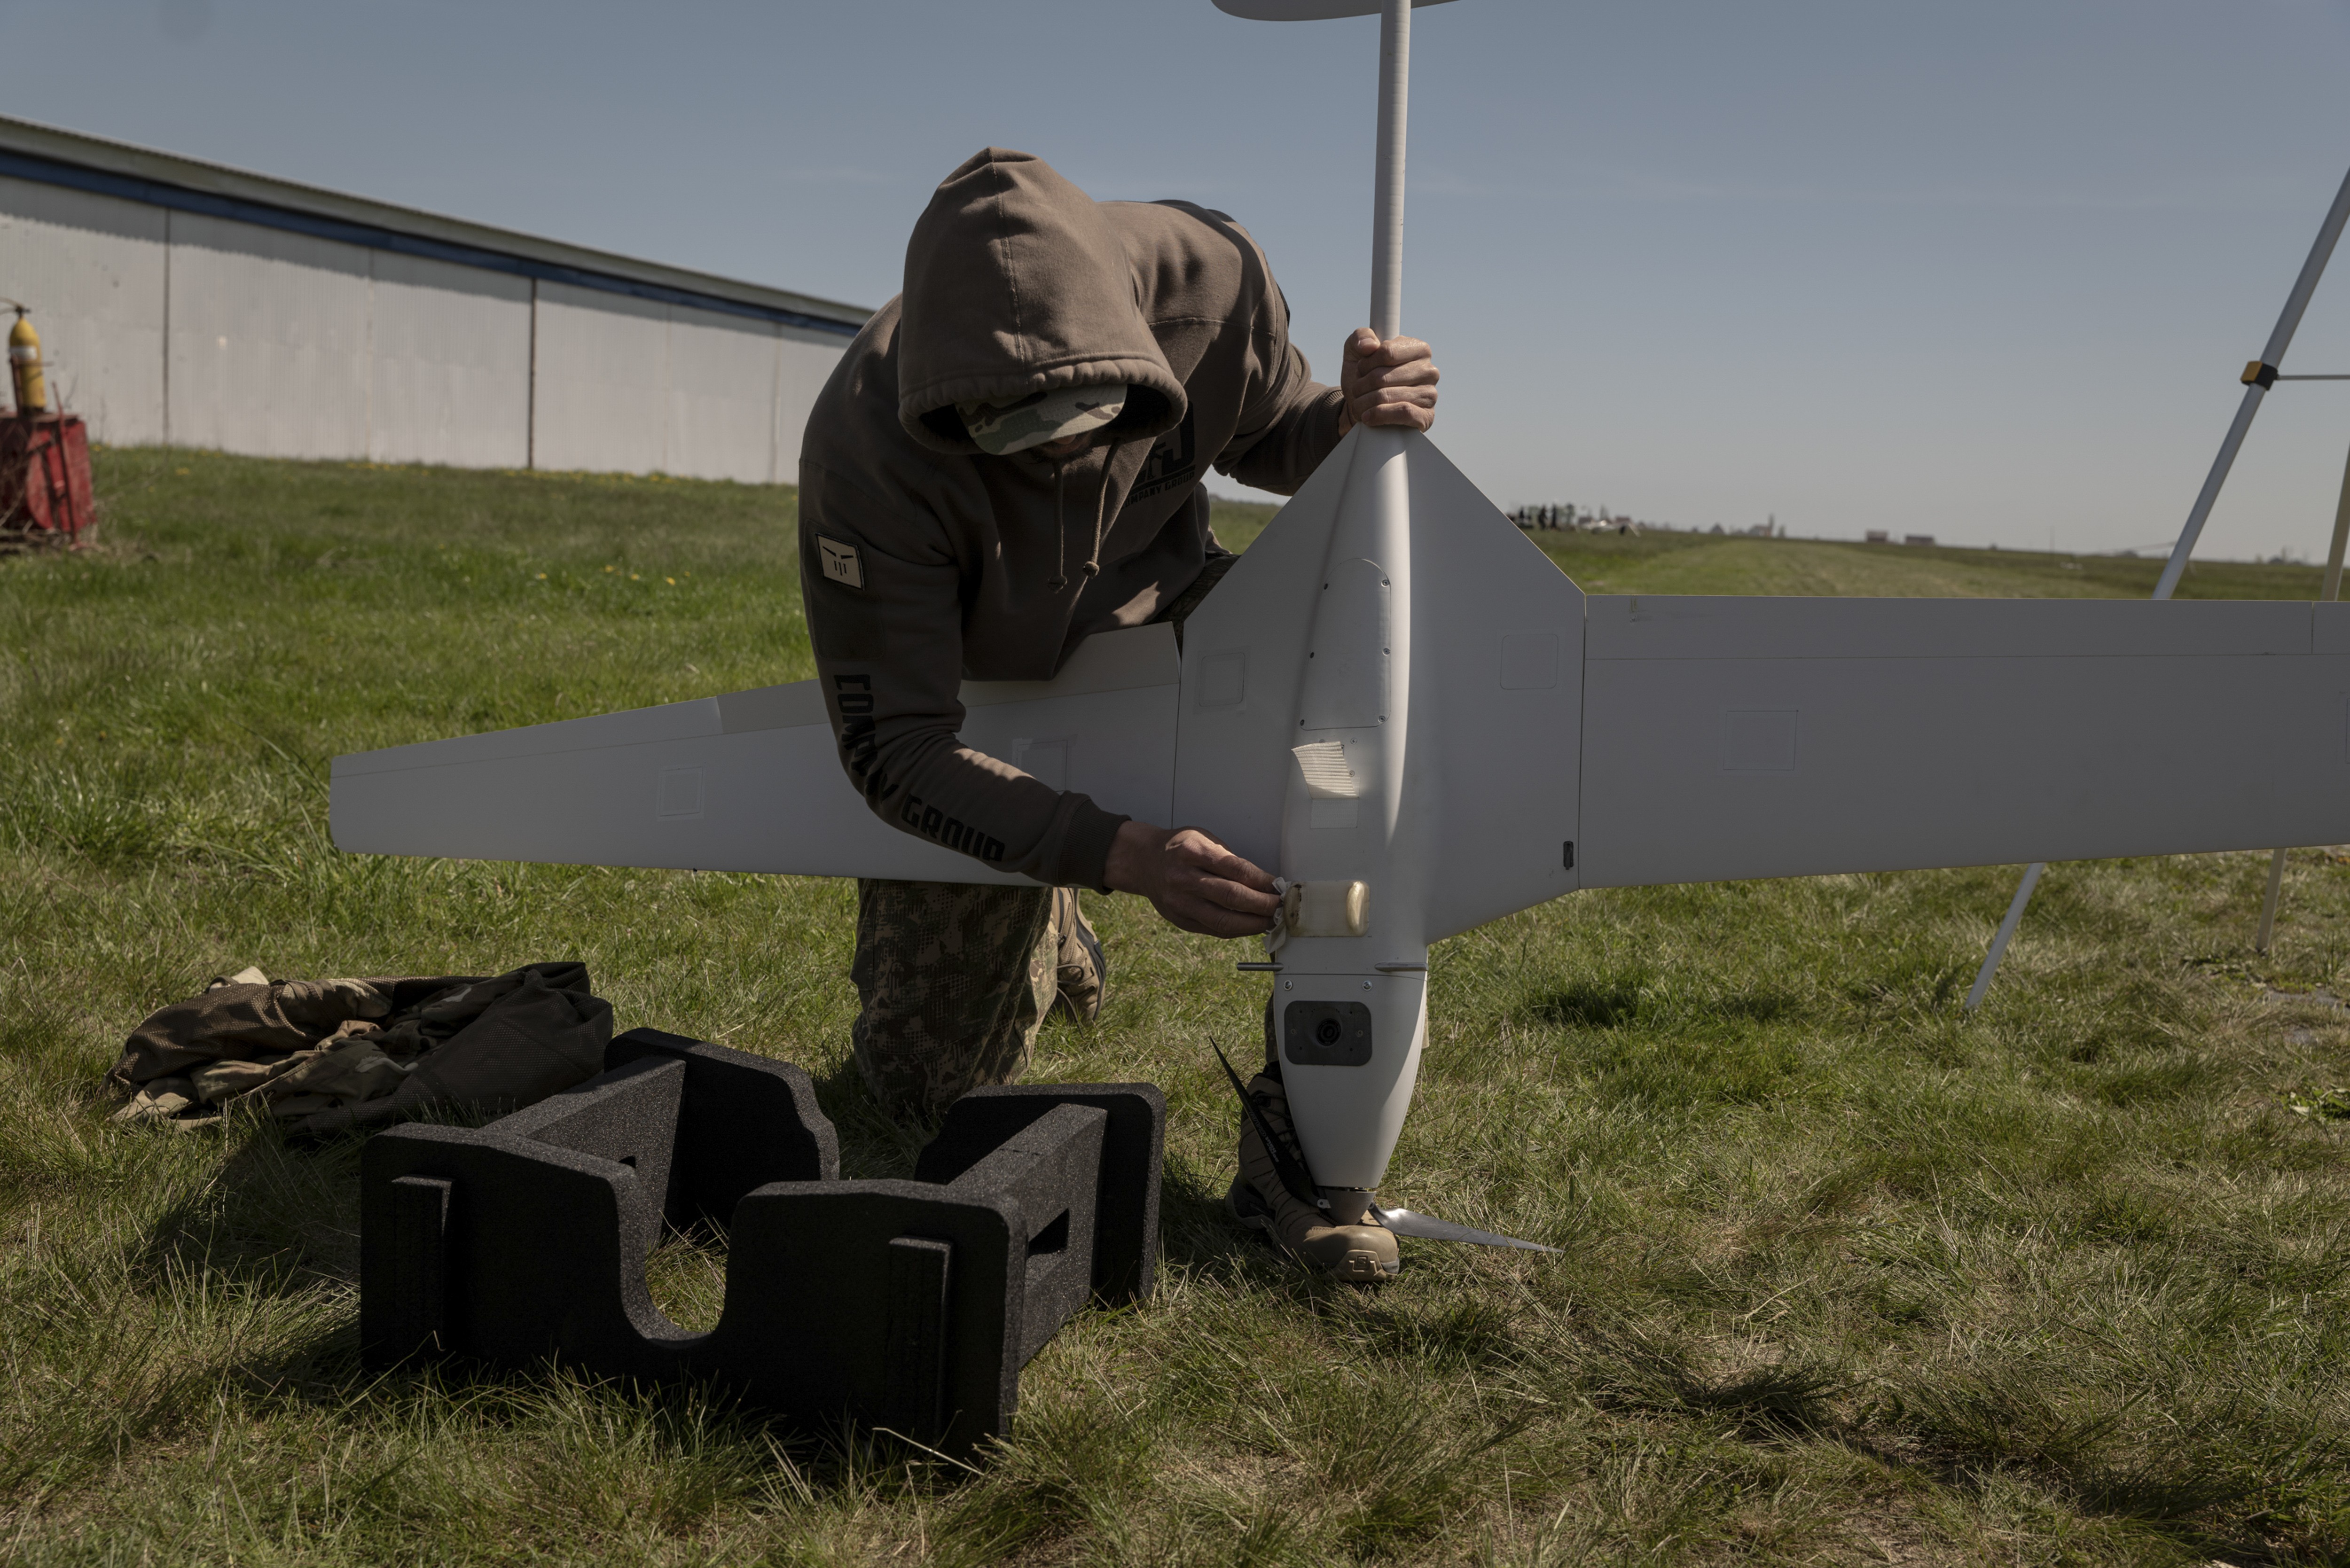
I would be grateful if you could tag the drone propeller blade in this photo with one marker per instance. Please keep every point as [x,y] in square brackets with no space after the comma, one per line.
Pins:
[1288,1160]
[1427,1228]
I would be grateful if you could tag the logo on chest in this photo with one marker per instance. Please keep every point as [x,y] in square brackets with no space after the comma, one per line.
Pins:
[1173,461]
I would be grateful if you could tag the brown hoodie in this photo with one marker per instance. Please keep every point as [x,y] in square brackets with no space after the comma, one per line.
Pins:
[925,561]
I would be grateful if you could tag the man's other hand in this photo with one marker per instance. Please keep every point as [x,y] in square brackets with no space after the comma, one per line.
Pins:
[1192,880]
[1389,383]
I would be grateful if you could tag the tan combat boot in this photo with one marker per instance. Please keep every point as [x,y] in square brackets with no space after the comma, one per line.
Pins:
[1083,973]
[1361,1253]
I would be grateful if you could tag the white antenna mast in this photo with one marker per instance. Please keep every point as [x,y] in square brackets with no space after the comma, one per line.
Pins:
[1387,205]
[1395,92]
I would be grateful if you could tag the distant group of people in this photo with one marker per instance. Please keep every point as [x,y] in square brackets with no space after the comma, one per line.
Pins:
[1564,516]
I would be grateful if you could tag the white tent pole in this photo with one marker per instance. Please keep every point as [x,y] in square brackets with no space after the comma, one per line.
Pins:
[2268,902]
[2176,568]
[1387,206]
[2257,377]
[2331,591]
[2006,932]
[2341,534]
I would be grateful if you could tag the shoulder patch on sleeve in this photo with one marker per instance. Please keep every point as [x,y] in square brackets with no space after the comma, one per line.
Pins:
[841,563]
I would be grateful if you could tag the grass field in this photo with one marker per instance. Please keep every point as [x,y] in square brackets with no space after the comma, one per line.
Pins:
[1849,1276]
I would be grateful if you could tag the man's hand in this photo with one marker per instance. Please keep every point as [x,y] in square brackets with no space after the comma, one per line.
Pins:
[1194,881]
[1389,383]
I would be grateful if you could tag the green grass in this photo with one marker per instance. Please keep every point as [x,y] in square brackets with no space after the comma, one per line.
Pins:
[1850,1276]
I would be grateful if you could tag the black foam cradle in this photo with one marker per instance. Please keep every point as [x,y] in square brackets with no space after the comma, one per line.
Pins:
[901,1306]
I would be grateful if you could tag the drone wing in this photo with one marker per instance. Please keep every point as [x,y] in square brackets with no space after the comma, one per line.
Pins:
[1727,738]
[1555,742]
[751,781]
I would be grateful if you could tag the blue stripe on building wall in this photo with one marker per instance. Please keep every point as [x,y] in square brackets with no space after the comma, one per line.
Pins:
[178,198]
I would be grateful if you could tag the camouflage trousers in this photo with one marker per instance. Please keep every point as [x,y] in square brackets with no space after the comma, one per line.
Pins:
[954,979]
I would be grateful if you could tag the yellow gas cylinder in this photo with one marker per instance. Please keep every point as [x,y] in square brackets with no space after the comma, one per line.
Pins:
[24,366]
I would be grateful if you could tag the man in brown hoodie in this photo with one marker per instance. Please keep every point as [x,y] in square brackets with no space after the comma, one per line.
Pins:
[1007,460]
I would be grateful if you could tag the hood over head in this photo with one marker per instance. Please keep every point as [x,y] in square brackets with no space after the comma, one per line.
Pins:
[1017,284]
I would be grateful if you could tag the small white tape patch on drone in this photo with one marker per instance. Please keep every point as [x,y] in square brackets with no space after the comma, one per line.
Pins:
[1328,777]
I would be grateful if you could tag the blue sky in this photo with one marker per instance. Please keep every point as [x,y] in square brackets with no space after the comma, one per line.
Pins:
[1983,271]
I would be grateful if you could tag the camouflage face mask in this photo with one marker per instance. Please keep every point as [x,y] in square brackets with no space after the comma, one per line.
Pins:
[1003,429]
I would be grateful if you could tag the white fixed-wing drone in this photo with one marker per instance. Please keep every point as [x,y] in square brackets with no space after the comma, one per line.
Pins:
[1398,702]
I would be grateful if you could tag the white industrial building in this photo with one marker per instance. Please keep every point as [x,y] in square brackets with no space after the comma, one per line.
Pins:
[185,303]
